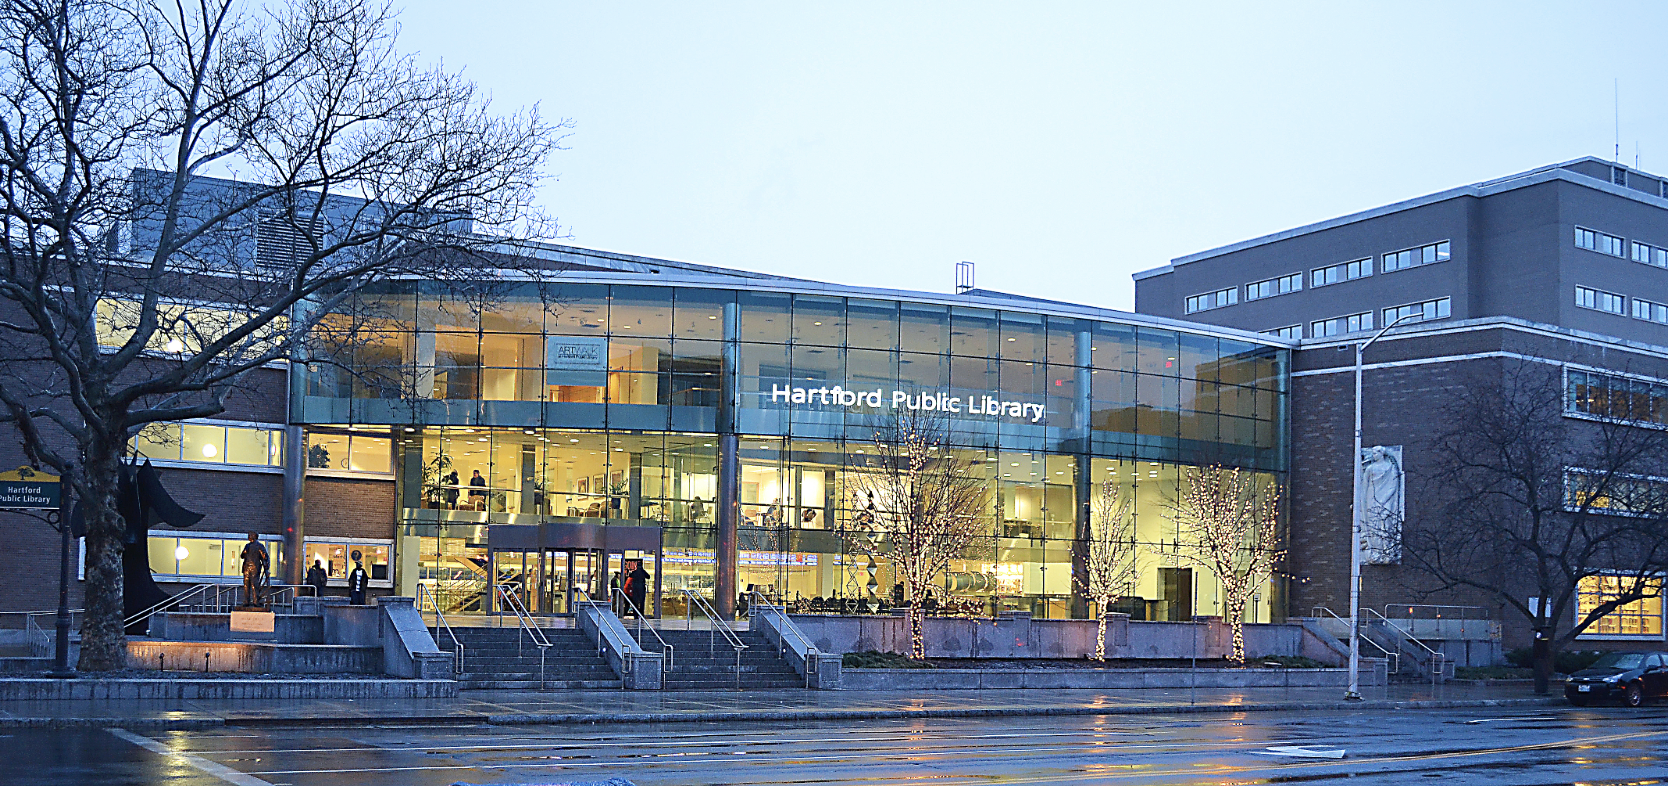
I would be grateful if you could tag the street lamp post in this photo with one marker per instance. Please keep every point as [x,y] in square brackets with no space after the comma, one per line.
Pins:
[1354,692]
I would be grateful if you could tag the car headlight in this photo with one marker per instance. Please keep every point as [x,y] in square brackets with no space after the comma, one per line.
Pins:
[1612,678]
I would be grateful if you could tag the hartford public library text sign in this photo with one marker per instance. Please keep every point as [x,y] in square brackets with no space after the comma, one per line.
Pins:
[983,404]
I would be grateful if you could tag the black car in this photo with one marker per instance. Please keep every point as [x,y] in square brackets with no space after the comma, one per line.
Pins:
[1633,677]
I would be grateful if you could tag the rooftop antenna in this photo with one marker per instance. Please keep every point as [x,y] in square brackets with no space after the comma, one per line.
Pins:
[1616,87]
[964,277]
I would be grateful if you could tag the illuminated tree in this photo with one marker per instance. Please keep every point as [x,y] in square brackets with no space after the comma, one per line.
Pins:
[1232,522]
[921,505]
[1110,562]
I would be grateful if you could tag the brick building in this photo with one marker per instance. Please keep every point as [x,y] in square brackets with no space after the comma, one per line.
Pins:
[1562,267]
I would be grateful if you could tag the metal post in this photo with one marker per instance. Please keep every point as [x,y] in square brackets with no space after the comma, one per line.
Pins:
[61,665]
[1354,691]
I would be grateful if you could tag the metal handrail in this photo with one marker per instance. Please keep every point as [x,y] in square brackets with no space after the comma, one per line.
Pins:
[1437,657]
[440,621]
[174,600]
[692,602]
[508,594]
[1394,658]
[666,649]
[1411,606]
[756,601]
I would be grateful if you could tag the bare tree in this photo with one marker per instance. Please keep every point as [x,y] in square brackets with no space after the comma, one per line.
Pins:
[920,505]
[1529,501]
[1109,564]
[1230,528]
[135,289]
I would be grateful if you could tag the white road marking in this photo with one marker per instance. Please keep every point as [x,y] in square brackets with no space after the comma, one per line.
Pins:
[220,771]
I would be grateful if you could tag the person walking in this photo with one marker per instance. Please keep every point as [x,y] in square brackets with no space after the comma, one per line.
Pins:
[357,580]
[317,578]
[255,563]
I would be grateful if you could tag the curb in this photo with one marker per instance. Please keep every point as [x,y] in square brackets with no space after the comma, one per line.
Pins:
[576,718]
[151,724]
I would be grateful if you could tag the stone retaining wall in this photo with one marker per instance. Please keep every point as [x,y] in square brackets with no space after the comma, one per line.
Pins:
[249,657]
[252,689]
[1087,679]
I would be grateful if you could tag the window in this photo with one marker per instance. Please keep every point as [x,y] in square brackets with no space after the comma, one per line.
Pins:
[1600,300]
[336,556]
[1210,300]
[1618,176]
[207,555]
[1274,286]
[1610,396]
[1649,311]
[1600,242]
[181,328]
[1338,325]
[1613,494]
[1289,331]
[1418,312]
[210,443]
[1414,257]
[1650,255]
[1345,271]
[1641,617]
[349,452]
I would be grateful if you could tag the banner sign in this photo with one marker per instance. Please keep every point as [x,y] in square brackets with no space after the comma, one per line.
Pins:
[29,488]
[576,360]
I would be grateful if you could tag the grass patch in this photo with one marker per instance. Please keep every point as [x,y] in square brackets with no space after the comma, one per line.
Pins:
[870,659]
[1565,662]
[1492,673]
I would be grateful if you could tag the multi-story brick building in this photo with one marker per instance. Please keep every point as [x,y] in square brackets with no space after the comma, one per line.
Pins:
[1562,266]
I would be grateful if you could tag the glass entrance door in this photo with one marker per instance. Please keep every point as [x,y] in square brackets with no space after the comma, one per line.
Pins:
[548,582]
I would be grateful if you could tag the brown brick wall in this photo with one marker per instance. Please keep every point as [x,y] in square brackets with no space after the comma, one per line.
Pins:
[349,508]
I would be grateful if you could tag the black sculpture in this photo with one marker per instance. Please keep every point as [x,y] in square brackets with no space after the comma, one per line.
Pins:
[142,503]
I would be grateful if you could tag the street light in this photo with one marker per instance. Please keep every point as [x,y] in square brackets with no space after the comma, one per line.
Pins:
[1354,692]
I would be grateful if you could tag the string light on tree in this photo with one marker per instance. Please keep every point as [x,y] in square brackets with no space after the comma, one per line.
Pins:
[1110,573]
[1232,522]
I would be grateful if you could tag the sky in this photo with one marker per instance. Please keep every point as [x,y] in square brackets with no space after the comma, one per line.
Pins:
[1059,146]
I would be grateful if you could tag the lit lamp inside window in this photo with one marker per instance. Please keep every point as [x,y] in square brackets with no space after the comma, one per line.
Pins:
[180,553]
[175,345]
[209,451]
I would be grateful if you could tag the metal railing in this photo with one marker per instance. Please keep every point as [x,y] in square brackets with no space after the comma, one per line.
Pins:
[1437,658]
[784,628]
[665,649]
[39,638]
[441,623]
[1392,659]
[1429,621]
[216,598]
[509,594]
[694,602]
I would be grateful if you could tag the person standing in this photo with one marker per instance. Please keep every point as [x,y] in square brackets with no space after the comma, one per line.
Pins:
[450,484]
[357,580]
[317,578]
[477,491]
[637,586]
[255,563]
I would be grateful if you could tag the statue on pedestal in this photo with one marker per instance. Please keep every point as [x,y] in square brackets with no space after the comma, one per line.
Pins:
[257,565]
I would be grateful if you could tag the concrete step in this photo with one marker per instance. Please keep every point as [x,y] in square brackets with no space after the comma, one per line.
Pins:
[533,684]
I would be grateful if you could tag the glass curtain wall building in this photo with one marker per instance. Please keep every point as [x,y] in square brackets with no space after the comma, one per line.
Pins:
[712,425]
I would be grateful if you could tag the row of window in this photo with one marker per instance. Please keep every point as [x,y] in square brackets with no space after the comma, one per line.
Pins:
[1613,303]
[1439,308]
[1612,245]
[180,555]
[1611,396]
[250,446]
[1393,261]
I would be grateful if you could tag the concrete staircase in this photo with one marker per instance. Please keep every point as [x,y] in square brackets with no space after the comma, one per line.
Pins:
[504,659]
[699,664]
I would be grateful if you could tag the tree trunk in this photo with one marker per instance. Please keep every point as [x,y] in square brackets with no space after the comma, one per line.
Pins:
[1235,608]
[103,638]
[917,642]
[1100,635]
[1543,664]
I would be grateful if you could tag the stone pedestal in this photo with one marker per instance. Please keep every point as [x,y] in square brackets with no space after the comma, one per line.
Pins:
[254,625]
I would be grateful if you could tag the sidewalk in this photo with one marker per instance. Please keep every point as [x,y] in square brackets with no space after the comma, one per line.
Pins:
[590,707]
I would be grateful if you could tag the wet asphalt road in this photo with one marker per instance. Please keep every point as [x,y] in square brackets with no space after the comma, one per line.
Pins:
[1471,746]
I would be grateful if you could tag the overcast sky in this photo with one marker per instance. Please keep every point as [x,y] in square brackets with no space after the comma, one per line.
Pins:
[1059,146]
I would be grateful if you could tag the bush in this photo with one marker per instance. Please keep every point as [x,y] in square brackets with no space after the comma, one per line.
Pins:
[1566,662]
[871,659]
[1286,662]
